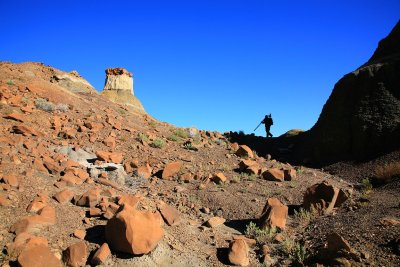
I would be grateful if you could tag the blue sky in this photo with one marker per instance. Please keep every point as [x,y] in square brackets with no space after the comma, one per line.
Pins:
[217,65]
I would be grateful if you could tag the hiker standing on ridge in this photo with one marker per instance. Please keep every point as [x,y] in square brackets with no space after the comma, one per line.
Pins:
[268,122]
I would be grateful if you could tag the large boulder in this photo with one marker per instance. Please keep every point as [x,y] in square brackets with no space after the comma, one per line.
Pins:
[239,253]
[119,88]
[361,118]
[323,197]
[133,231]
[274,214]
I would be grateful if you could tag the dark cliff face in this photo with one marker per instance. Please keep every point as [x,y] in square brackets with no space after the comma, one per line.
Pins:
[361,118]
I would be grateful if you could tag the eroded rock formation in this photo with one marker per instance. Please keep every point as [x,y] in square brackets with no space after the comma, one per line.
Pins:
[118,88]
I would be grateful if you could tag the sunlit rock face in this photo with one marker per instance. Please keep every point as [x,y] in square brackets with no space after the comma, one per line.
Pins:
[118,88]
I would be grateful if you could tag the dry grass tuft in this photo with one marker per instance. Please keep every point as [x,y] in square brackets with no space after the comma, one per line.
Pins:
[384,174]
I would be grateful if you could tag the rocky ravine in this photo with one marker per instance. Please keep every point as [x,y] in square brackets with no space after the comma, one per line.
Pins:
[86,181]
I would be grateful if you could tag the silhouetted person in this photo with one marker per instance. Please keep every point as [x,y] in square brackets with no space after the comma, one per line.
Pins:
[268,123]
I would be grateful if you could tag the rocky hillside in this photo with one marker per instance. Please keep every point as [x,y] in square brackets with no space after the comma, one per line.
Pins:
[361,118]
[87,181]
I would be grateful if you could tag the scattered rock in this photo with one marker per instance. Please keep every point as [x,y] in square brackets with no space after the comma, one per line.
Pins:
[239,253]
[64,196]
[273,174]
[219,178]
[323,197]
[215,221]
[80,233]
[101,255]
[76,254]
[274,214]
[133,231]
[39,255]
[290,174]
[244,152]
[170,214]
[171,169]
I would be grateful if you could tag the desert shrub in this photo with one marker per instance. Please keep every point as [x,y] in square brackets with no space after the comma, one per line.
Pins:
[303,215]
[235,179]
[43,104]
[173,137]
[153,124]
[10,82]
[48,106]
[261,235]
[157,143]
[142,137]
[61,107]
[295,250]
[366,185]
[181,133]
[386,173]
[189,146]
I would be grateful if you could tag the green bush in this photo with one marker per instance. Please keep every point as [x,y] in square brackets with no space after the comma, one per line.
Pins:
[157,143]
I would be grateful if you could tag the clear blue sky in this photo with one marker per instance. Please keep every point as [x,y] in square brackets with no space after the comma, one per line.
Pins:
[216,65]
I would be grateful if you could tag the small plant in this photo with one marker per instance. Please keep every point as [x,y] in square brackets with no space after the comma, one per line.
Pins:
[253,231]
[45,105]
[366,185]
[142,137]
[121,111]
[157,143]
[181,133]
[173,137]
[10,82]
[189,146]
[197,139]
[153,124]
[235,179]
[303,215]
[247,176]
[295,250]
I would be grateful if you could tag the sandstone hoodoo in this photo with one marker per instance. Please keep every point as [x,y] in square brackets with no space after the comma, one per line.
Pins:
[119,88]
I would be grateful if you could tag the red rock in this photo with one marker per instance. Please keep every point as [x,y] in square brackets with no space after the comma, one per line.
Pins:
[64,196]
[107,182]
[26,131]
[337,243]
[76,254]
[144,171]
[273,174]
[11,180]
[31,224]
[274,214]
[27,109]
[4,202]
[215,221]
[186,177]
[15,116]
[249,241]
[51,165]
[71,179]
[89,199]
[94,212]
[130,200]
[114,157]
[290,174]
[71,164]
[110,142]
[170,214]
[37,204]
[67,133]
[37,256]
[239,253]
[133,231]
[93,126]
[244,152]
[130,165]
[323,197]
[38,165]
[80,233]
[101,255]
[219,178]
[171,169]
[235,146]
